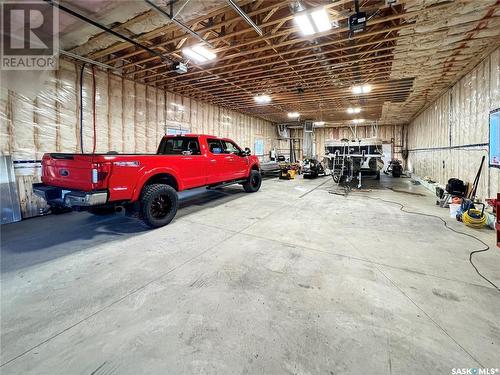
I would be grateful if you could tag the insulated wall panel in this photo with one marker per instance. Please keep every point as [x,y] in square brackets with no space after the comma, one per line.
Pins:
[5,121]
[102,112]
[23,127]
[86,121]
[46,118]
[160,115]
[140,119]
[67,108]
[115,117]
[128,116]
[151,120]
[449,138]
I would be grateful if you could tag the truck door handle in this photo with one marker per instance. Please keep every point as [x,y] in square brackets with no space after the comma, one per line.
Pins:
[213,161]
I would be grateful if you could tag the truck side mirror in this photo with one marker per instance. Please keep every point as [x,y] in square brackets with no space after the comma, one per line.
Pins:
[247,151]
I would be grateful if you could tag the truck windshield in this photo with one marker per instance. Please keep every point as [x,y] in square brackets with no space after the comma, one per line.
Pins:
[179,146]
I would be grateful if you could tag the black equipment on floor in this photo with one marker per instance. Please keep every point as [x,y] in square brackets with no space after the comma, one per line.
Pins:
[456,187]
[312,168]
[395,168]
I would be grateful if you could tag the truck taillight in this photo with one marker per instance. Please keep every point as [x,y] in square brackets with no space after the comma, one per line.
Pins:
[95,176]
[100,173]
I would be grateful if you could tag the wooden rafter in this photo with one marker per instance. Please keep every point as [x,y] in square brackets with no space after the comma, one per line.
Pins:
[324,66]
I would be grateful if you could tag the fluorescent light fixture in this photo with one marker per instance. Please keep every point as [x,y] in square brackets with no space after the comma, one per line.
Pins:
[305,25]
[188,52]
[293,114]
[356,90]
[318,123]
[312,22]
[358,120]
[262,99]
[361,89]
[352,110]
[321,20]
[199,53]
[200,50]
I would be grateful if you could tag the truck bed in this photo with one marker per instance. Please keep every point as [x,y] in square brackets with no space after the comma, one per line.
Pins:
[119,173]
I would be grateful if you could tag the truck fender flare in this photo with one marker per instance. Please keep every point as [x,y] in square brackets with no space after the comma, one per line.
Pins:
[253,167]
[150,174]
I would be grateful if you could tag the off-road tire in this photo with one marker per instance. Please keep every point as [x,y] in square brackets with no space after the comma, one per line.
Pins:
[252,184]
[159,203]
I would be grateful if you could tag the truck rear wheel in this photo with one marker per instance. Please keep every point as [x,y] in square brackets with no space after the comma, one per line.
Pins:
[159,204]
[252,184]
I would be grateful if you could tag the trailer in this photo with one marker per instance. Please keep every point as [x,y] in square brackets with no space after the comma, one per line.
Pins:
[348,159]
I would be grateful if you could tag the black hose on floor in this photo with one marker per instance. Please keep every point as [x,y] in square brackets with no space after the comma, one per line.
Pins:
[486,248]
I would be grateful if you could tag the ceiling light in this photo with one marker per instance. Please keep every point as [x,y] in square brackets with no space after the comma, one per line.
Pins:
[302,21]
[293,114]
[262,99]
[312,22]
[189,53]
[358,120]
[199,53]
[200,50]
[361,89]
[351,110]
[321,20]
[318,123]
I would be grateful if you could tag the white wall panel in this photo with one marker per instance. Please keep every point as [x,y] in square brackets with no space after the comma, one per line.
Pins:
[450,137]
[128,116]
[115,117]
[140,118]
[67,109]
[152,138]
[102,112]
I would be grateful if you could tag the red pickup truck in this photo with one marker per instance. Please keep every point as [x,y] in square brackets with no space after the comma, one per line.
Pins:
[146,184]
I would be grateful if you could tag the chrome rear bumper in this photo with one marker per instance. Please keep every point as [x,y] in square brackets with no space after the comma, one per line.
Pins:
[80,199]
[70,198]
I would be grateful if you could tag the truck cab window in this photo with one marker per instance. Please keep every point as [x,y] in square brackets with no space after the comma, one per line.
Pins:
[230,148]
[215,146]
[179,146]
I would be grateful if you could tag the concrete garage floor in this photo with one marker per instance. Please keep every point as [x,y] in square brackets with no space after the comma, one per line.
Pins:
[290,280]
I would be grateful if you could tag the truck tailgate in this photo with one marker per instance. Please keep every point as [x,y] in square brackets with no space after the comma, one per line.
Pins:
[71,171]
